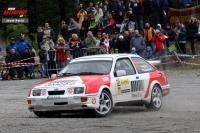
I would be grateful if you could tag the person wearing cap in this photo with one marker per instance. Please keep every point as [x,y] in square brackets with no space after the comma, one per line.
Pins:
[11,45]
[22,44]
[49,32]
[138,42]
[84,28]
[133,51]
[149,53]
[120,45]
[159,40]
[28,57]
[181,37]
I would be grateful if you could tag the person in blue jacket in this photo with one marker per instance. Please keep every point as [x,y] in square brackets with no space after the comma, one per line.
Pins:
[22,44]
[12,45]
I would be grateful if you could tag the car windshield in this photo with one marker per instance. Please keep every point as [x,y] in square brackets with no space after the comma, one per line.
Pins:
[87,67]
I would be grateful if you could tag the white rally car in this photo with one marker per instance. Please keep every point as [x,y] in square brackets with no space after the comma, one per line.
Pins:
[98,83]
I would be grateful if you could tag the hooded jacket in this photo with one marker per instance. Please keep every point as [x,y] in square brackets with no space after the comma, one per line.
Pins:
[137,42]
[22,44]
[161,30]
[10,46]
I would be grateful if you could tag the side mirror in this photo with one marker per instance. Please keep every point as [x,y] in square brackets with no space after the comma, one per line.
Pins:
[53,75]
[120,73]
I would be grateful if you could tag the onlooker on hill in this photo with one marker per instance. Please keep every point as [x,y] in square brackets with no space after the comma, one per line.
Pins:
[170,35]
[73,27]
[137,41]
[181,38]
[119,22]
[159,27]
[90,10]
[80,16]
[51,58]
[12,45]
[22,44]
[63,30]
[90,43]
[43,61]
[40,34]
[12,57]
[93,25]
[46,41]
[105,9]
[113,42]
[120,45]
[61,53]
[110,25]
[127,38]
[85,26]
[98,13]
[29,56]
[192,30]
[76,45]
[49,32]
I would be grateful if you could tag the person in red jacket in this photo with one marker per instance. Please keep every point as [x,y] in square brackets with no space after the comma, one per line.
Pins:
[159,40]
[110,25]
[61,53]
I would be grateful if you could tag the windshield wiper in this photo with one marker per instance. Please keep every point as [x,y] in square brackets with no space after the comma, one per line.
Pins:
[89,73]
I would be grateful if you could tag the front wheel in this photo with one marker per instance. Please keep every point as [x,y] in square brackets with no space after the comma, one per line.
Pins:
[156,99]
[105,105]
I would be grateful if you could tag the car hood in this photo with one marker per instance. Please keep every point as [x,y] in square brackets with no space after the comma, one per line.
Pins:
[65,81]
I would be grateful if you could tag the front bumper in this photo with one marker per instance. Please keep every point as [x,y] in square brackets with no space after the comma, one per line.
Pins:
[62,103]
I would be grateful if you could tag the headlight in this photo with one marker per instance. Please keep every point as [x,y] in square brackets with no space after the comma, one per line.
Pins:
[78,90]
[36,92]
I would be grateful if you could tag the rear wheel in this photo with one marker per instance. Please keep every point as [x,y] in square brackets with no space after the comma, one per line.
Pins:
[156,99]
[43,114]
[105,105]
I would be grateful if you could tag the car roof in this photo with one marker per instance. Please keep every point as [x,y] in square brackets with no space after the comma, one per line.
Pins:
[114,56]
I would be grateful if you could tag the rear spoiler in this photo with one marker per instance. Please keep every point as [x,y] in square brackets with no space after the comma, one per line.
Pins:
[154,62]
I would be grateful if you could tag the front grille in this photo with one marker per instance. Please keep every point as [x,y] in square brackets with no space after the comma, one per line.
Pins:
[61,92]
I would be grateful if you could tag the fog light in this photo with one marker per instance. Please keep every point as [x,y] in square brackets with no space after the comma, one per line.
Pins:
[83,99]
[29,101]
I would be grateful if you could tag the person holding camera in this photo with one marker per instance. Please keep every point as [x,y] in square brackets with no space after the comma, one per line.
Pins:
[192,30]
[46,41]
[28,57]
[80,16]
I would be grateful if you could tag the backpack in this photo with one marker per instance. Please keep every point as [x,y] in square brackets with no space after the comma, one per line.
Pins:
[4,75]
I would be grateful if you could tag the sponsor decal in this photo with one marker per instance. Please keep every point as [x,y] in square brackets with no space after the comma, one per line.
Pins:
[62,82]
[53,97]
[43,92]
[136,95]
[93,100]
[70,91]
[125,85]
[105,79]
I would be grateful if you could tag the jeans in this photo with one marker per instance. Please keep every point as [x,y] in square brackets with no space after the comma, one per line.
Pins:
[159,53]
[30,69]
[139,22]
[192,44]
[43,68]
[152,45]
[182,49]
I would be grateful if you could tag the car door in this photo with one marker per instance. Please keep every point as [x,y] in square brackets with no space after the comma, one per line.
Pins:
[143,69]
[124,82]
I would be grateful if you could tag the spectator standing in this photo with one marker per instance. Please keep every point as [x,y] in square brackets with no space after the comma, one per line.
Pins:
[159,40]
[76,46]
[49,32]
[105,9]
[63,30]
[22,44]
[90,43]
[137,41]
[84,28]
[51,58]
[119,22]
[133,51]
[80,16]
[137,14]
[73,27]
[148,34]
[29,56]
[14,58]
[43,61]
[121,6]
[159,27]
[93,25]
[61,53]
[113,42]
[149,53]
[80,6]
[110,25]
[127,38]
[128,6]
[46,41]
[90,9]
[12,45]
[170,35]
[192,30]
[181,38]
[40,34]
[98,13]
[120,45]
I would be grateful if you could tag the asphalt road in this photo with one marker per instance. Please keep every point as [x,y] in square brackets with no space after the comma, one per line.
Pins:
[180,113]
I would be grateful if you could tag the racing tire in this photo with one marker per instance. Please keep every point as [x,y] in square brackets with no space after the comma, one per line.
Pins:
[43,114]
[156,99]
[105,105]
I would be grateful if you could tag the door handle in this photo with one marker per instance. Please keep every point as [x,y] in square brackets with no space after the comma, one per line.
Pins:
[137,77]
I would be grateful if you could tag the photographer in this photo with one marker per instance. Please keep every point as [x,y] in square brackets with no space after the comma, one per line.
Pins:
[29,54]
[46,41]
[192,30]
[80,16]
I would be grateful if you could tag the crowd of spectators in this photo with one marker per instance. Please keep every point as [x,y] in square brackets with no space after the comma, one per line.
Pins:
[112,27]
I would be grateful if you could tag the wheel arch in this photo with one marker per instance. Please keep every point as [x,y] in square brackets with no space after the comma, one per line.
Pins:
[155,82]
